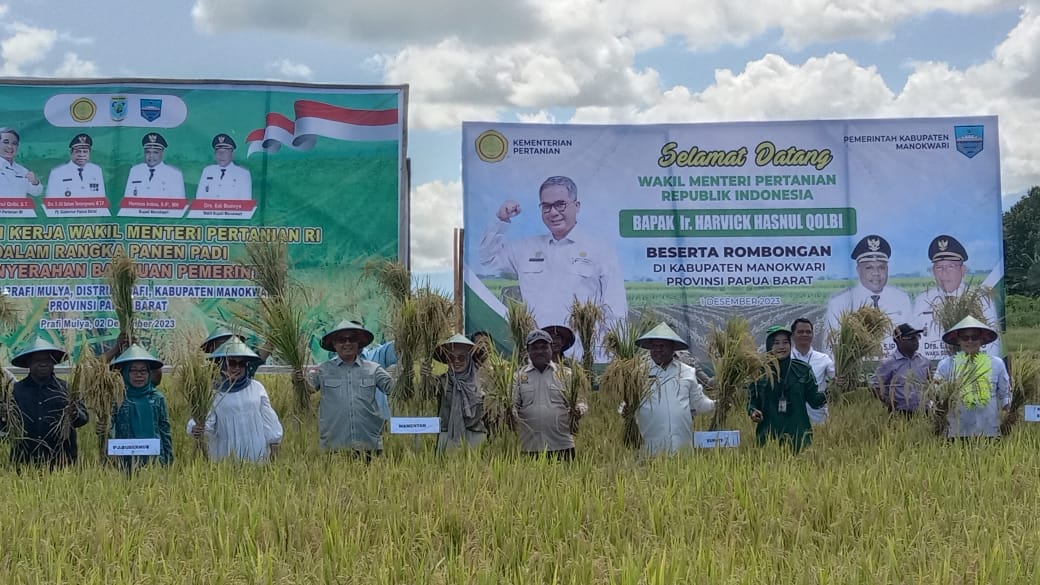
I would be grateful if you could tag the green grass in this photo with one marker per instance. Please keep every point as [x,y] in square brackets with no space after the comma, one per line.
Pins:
[1021,338]
[874,500]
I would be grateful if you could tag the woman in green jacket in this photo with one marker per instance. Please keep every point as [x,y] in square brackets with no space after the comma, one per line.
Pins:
[777,402]
[143,413]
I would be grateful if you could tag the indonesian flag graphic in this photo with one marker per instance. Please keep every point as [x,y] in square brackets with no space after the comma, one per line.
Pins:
[314,119]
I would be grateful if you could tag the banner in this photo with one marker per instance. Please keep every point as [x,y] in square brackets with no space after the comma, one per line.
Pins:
[697,222]
[181,175]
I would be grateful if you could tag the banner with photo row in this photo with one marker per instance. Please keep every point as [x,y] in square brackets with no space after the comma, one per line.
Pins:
[180,175]
[697,222]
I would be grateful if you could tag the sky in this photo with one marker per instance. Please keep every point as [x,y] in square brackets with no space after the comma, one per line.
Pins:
[571,61]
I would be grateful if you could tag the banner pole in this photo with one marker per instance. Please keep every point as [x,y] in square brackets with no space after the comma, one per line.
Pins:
[458,247]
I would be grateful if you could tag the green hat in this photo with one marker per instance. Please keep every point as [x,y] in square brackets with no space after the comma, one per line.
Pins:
[220,332]
[564,332]
[662,333]
[37,346]
[346,325]
[773,331]
[136,353]
[441,353]
[235,348]
[952,335]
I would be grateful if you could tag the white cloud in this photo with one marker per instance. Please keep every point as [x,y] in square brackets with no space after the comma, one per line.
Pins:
[27,46]
[72,66]
[290,70]
[539,117]
[436,211]
[3,9]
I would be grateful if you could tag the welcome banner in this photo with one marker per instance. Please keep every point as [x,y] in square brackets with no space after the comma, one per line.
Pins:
[696,222]
[181,175]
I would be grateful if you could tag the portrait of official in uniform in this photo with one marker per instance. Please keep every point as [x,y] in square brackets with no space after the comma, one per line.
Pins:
[224,180]
[554,268]
[79,177]
[871,254]
[153,177]
[949,268]
[15,180]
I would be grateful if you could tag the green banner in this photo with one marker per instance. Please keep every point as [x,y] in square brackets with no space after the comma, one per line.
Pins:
[181,175]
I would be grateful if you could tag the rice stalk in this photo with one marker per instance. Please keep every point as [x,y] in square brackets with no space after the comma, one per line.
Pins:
[521,322]
[269,261]
[195,373]
[392,276]
[950,310]
[434,315]
[858,337]
[585,319]
[9,411]
[498,377]
[1025,386]
[627,375]
[102,391]
[737,362]
[945,396]
[576,385]
[121,277]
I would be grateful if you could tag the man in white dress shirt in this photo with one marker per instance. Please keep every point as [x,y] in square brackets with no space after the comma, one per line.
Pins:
[871,255]
[822,365]
[153,177]
[949,267]
[555,268]
[15,180]
[79,177]
[224,180]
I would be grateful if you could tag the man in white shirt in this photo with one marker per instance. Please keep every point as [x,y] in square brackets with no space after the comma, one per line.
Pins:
[822,365]
[153,177]
[79,177]
[555,268]
[949,268]
[871,255]
[15,180]
[224,180]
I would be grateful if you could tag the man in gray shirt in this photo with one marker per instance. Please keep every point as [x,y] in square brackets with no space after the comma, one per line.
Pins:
[542,413]
[349,416]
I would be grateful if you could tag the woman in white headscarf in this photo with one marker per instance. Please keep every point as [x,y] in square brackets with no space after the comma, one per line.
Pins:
[461,401]
[983,384]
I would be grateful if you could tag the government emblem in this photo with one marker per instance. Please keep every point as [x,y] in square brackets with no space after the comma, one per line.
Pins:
[117,108]
[969,139]
[151,109]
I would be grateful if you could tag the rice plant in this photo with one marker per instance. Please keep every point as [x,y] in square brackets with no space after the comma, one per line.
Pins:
[392,276]
[521,322]
[102,391]
[10,414]
[585,319]
[434,314]
[497,379]
[627,375]
[858,337]
[121,277]
[737,362]
[950,310]
[1025,386]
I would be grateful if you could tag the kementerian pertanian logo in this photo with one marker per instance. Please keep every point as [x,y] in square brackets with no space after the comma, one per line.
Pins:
[82,110]
[969,139]
[491,146]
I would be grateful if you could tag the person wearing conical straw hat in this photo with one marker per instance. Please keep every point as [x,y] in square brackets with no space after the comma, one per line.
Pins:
[220,334]
[349,416]
[241,423]
[562,340]
[984,385]
[143,414]
[545,422]
[778,402]
[665,417]
[460,398]
[43,400]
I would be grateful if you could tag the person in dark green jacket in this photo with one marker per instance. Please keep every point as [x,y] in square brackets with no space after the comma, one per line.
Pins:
[777,402]
[143,414]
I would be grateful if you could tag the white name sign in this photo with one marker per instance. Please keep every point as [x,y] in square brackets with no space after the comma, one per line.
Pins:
[1032,413]
[129,447]
[422,425]
[713,439]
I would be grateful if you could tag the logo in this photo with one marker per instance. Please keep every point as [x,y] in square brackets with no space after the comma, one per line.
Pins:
[943,244]
[117,108]
[969,139]
[873,244]
[151,109]
[82,110]
[491,146]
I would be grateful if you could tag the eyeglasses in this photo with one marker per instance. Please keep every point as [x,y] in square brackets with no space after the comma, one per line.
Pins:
[139,370]
[559,206]
[458,357]
[346,339]
[971,337]
[236,363]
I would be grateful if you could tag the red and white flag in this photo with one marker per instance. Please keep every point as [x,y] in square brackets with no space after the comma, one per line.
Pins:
[314,119]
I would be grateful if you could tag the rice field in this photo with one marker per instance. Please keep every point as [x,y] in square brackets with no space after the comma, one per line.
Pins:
[874,500]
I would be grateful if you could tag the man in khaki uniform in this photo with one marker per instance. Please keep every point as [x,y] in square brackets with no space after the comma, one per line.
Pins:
[544,420]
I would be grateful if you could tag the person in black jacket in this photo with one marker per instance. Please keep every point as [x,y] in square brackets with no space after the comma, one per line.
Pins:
[42,400]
